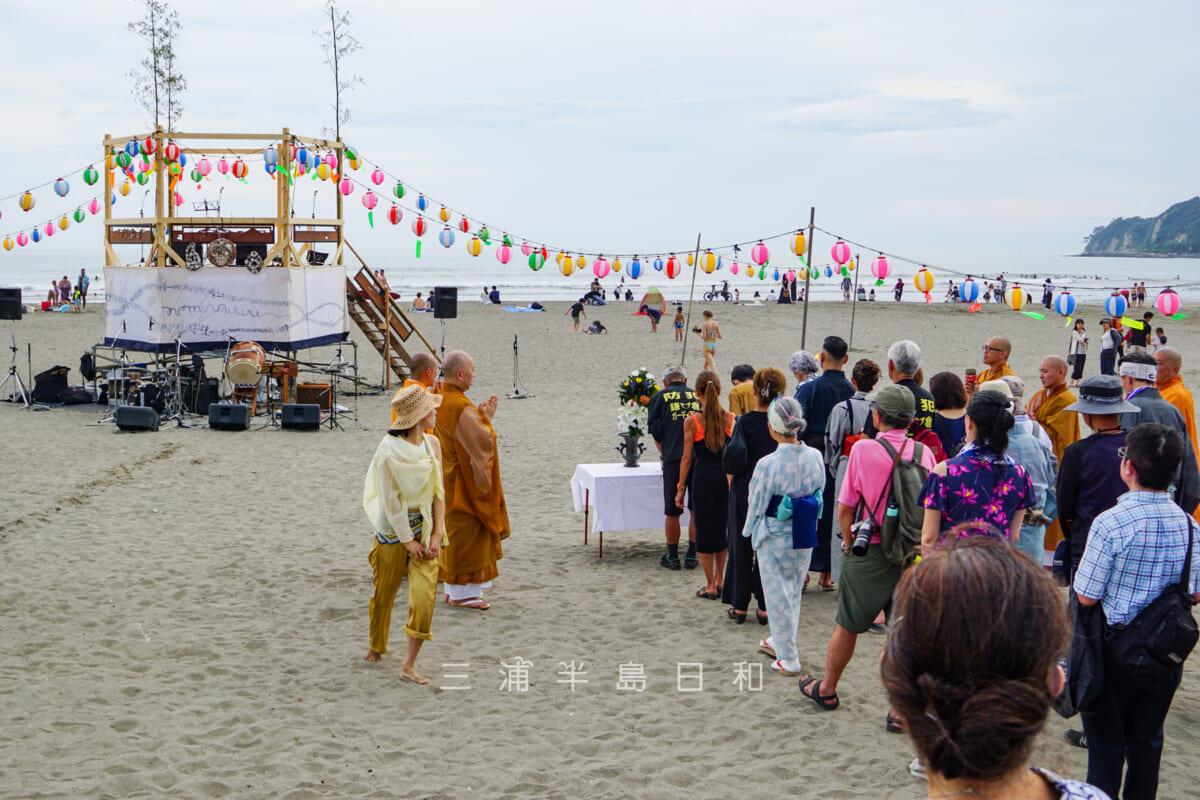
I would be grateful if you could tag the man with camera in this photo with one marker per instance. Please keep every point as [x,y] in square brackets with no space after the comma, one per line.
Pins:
[868,577]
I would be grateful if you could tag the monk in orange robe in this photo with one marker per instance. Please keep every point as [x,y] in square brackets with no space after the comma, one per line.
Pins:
[995,355]
[476,514]
[1171,387]
[1048,406]
[422,371]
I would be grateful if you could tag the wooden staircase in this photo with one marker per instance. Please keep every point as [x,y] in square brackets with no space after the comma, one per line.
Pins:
[383,322]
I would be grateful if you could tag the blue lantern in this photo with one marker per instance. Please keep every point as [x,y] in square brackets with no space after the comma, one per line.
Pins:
[446,237]
[270,168]
[133,147]
[1115,306]
[35,235]
[422,203]
[271,156]
[720,263]
[1064,304]
[968,290]
[302,156]
[61,187]
[829,272]
[775,274]
[658,264]
[635,268]
[182,159]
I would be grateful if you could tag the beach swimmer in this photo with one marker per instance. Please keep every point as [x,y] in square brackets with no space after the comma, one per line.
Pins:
[709,332]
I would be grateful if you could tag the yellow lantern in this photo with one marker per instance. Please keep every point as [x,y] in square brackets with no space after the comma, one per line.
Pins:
[797,244]
[8,243]
[1015,298]
[850,265]
[616,265]
[474,246]
[566,267]
[691,259]
[559,258]
[708,262]
[580,261]
[64,223]
[803,274]
[323,171]
[444,214]
[27,201]
[923,281]
[125,189]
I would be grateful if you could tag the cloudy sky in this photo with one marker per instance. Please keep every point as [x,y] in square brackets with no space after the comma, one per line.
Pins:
[944,130]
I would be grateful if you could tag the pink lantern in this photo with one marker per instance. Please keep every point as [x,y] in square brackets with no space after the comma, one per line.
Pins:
[94,206]
[330,160]
[49,228]
[760,254]
[840,252]
[790,275]
[600,267]
[203,167]
[526,248]
[880,267]
[733,269]
[23,238]
[369,200]
[377,177]
[346,186]
[1168,303]
[223,166]
[503,253]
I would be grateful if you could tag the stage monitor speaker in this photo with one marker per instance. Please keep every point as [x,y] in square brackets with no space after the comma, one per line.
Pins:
[244,249]
[137,418]
[316,257]
[445,302]
[228,416]
[10,304]
[300,416]
[313,393]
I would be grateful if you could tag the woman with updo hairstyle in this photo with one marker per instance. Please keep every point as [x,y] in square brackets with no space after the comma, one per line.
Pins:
[781,524]
[751,441]
[981,483]
[701,472]
[971,665]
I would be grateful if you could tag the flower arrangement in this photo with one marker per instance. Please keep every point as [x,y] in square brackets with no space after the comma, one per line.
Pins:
[635,392]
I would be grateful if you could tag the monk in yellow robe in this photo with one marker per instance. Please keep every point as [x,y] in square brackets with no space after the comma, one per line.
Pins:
[476,514]
[995,355]
[1171,387]
[1048,406]
[422,371]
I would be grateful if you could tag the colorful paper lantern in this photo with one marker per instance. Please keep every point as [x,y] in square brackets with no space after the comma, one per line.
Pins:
[708,262]
[133,147]
[203,167]
[733,268]
[616,265]
[271,156]
[171,152]
[580,261]
[444,214]
[323,171]
[27,201]
[484,234]
[880,267]
[79,215]
[124,189]
[790,275]
[691,259]
[49,228]
[422,203]
[474,247]
[840,252]
[331,160]
[94,206]
[196,176]
[183,159]
[759,254]
[369,200]
[35,236]
[398,191]
[850,265]
[1064,304]
[90,176]
[536,260]
[464,225]
[352,161]
[1168,303]
[178,199]
[503,253]
[143,178]
[61,187]
[223,166]
[797,244]
[803,274]
[526,248]
[395,214]
[123,160]
[635,268]
[64,223]
[302,155]
[923,280]
[22,239]
[600,267]
[377,176]
[1115,305]
[775,275]
[8,243]
[446,237]
[658,264]
[420,226]
[673,267]
[968,290]
[829,272]
[148,147]
[346,187]
[1015,298]
[239,169]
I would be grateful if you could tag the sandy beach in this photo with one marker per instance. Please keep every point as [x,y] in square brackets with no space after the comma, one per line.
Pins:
[184,613]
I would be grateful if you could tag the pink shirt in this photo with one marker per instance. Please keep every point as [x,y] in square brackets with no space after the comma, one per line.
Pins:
[870,467]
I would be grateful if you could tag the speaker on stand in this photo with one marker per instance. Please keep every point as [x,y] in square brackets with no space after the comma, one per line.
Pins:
[445,306]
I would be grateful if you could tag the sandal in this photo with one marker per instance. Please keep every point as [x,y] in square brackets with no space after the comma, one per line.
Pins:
[475,603]
[765,647]
[707,595]
[762,617]
[826,702]
[787,673]
[894,724]
[733,614]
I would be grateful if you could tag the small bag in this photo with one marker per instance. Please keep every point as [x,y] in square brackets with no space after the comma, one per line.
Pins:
[1085,660]
[1071,358]
[1151,649]
[903,517]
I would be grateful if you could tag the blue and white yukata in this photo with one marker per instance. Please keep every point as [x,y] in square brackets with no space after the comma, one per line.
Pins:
[791,471]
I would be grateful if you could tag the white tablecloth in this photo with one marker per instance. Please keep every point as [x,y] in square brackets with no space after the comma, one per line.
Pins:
[623,498]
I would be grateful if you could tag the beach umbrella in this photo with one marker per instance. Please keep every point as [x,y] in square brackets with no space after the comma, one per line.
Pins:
[635,268]
[600,267]
[759,254]
[880,267]
[398,191]
[1168,303]
[1064,304]
[968,290]
[395,214]
[446,237]
[796,244]
[27,201]
[1115,305]
[1016,298]
[504,253]
[61,187]
[474,246]
[840,252]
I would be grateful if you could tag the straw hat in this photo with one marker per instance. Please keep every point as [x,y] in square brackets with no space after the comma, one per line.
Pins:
[411,404]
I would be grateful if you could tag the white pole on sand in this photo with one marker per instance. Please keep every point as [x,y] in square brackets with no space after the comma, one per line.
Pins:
[812,220]
[687,326]
[853,308]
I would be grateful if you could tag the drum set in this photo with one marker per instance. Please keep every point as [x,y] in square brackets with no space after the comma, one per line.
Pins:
[250,370]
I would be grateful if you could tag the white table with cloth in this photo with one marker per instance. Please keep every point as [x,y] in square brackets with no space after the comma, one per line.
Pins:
[620,498]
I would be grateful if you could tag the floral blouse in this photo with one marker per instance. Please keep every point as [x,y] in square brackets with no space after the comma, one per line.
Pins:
[979,487]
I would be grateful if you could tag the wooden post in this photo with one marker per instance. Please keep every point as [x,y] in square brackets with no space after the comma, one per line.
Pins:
[337,191]
[108,187]
[387,338]
[283,232]
[812,219]
[687,326]
[160,229]
[854,299]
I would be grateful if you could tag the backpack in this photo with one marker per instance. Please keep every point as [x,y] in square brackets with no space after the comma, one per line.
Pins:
[928,437]
[1151,649]
[849,439]
[900,532]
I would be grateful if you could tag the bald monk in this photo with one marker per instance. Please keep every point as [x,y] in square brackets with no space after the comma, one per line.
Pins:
[422,371]
[995,355]
[1048,406]
[476,514]
[1171,387]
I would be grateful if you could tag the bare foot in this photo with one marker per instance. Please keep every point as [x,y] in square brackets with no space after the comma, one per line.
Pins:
[410,674]
[371,655]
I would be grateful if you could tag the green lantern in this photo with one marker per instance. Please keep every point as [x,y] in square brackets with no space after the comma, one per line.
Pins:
[79,215]
[536,260]
[90,176]
[483,234]
[398,191]
[124,160]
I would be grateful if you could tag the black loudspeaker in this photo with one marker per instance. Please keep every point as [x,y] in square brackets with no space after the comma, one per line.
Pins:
[300,416]
[445,302]
[228,416]
[10,304]
[137,418]
[245,249]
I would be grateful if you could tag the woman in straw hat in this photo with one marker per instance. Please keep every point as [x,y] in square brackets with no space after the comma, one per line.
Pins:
[405,501]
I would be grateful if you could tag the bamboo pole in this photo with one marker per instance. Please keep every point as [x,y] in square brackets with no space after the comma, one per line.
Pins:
[812,221]
[109,254]
[687,326]
[159,169]
[854,299]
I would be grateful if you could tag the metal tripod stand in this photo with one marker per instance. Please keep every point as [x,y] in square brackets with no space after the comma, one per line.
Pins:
[174,410]
[18,388]
[517,393]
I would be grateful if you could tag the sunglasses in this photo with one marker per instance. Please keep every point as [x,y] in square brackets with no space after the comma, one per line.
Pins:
[987,347]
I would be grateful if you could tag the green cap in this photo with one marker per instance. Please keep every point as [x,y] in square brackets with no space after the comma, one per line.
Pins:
[895,402]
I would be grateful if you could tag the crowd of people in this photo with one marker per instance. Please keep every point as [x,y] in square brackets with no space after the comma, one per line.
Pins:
[66,296]
[952,503]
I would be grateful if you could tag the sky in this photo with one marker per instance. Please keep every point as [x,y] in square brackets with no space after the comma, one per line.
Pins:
[956,132]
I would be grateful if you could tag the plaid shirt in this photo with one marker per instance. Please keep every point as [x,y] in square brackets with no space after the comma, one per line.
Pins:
[1135,550]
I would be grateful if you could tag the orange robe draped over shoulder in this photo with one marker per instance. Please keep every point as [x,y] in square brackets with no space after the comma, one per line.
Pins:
[994,374]
[476,514]
[1175,393]
[1049,409]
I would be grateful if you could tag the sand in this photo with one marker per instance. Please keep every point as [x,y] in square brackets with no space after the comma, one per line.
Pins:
[183,613]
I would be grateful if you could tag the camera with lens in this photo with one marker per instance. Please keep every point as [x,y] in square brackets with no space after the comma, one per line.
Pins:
[862,536]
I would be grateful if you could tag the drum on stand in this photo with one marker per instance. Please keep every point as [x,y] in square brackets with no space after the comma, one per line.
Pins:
[246,363]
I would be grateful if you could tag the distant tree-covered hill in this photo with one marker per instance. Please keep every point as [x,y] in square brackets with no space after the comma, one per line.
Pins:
[1174,232]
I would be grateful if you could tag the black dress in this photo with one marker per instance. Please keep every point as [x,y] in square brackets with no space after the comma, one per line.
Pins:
[741,568]
[709,494]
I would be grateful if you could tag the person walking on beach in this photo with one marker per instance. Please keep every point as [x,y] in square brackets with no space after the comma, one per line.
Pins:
[664,418]
[1077,352]
[898,289]
[476,512]
[1139,338]
[847,285]
[575,310]
[404,498]
[709,332]
[1109,341]
[678,323]
[741,392]
[82,285]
